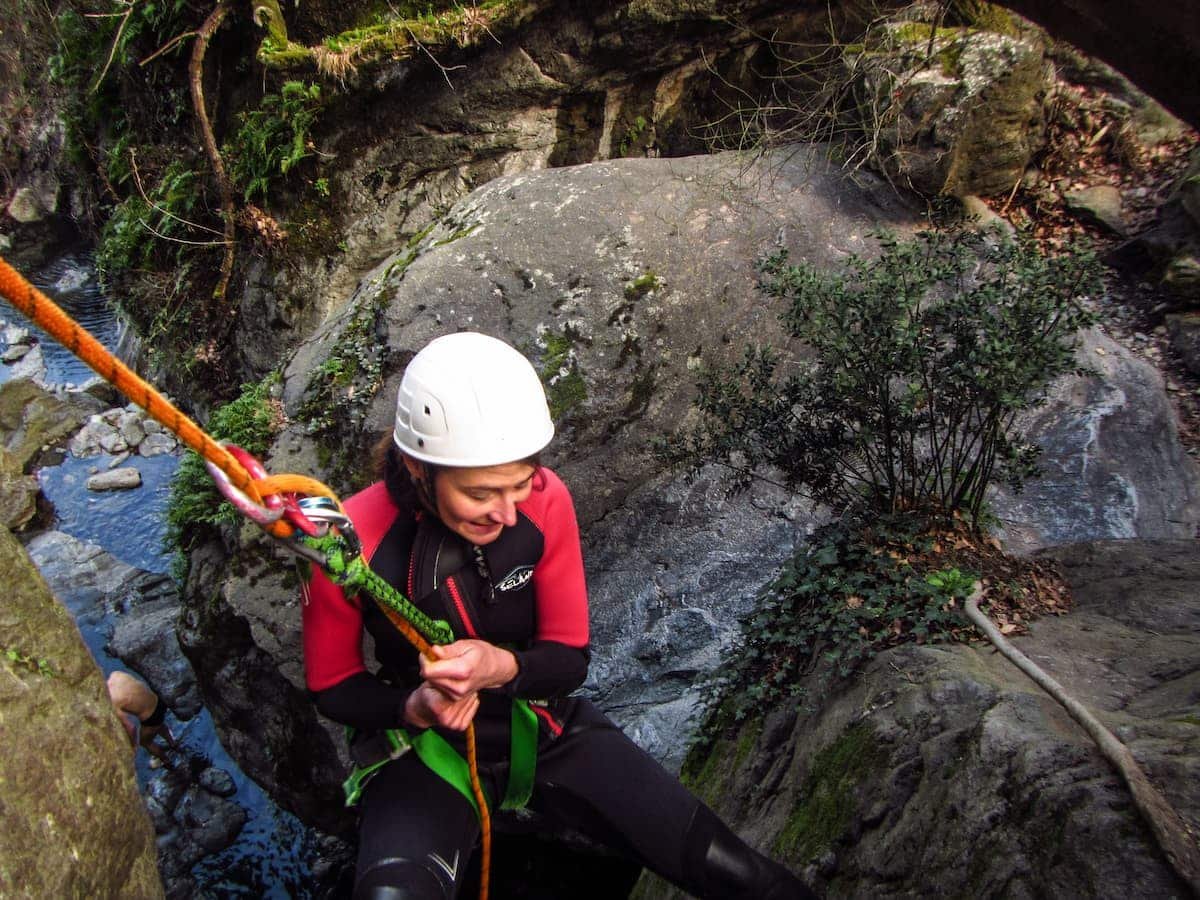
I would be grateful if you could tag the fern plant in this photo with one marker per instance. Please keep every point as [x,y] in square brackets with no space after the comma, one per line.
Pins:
[273,138]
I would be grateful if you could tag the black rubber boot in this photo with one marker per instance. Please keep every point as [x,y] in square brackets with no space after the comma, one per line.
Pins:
[721,866]
[399,879]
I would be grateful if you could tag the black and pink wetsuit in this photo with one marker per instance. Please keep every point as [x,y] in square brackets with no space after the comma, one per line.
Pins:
[525,591]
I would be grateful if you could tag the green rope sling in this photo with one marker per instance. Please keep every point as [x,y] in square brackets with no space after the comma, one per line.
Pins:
[350,571]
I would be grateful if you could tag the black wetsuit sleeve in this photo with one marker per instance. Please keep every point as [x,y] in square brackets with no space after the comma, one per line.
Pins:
[364,702]
[548,669]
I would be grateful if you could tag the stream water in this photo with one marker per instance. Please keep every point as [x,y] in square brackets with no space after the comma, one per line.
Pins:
[274,853]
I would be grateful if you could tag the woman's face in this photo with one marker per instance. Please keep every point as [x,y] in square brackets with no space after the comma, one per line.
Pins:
[478,502]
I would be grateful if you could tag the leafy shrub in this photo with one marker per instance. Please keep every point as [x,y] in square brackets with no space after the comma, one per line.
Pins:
[273,138]
[250,421]
[139,227]
[921,361]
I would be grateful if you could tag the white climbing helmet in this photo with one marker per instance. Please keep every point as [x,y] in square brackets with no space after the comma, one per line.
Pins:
[471,400]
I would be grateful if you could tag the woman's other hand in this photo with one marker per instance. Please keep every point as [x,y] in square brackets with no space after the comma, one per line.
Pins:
[468,666]
[428,706]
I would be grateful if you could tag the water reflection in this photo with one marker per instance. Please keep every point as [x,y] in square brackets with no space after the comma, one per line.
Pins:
[130,525]
[72,283]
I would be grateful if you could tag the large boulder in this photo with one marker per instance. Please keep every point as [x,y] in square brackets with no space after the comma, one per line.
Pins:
[74,824]
[564,85]
[1113,465]
[951,111]
[945,771]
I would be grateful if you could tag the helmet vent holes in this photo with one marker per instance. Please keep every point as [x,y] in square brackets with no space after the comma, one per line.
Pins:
[420,442]
[427,411]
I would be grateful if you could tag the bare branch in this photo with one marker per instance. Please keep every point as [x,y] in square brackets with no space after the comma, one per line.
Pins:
[168,46]
[1166,824]
[445,69]
[137,180]
[166,237]
[196,74]
[112,50]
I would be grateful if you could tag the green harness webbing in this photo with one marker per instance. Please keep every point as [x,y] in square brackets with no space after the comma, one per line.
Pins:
[437,754]
[431,748]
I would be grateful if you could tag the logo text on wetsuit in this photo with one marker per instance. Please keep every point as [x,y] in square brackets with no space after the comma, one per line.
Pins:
[518,577]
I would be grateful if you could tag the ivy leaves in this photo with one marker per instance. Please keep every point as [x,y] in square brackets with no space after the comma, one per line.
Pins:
[852,591]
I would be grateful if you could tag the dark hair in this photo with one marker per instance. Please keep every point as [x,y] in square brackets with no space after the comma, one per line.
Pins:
[389,466]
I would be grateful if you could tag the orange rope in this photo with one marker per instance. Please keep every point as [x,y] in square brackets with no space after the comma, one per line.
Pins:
[295,484]
[50,316]
[485,818]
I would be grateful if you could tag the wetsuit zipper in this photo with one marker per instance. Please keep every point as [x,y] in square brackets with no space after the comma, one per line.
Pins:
[461,606]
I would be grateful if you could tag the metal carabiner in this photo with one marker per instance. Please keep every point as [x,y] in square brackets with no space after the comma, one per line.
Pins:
[273,507]
[326,512]
[263,514]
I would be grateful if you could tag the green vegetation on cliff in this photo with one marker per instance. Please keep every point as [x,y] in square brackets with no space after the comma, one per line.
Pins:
[828,803]
[273,138]
[398,32]
[251,421]
[922,359]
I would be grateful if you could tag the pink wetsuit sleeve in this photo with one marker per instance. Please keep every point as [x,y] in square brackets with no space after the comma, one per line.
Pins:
[558,579]
[332,624]
[332,634]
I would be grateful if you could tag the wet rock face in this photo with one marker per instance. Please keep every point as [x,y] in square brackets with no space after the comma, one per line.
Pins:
[192,803]
[267,724]
[67,766]
[193,820]
[32,418]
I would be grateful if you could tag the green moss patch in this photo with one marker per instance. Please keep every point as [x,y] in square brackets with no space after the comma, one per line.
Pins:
[394,34]
[829,797]
[566,391]
[710,765]
[19,660]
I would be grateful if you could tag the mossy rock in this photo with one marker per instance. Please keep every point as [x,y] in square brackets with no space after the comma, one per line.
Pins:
[830,795]
[74,823]
[32,417]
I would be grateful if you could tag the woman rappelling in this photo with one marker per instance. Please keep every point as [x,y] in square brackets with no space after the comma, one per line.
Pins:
[468,523]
